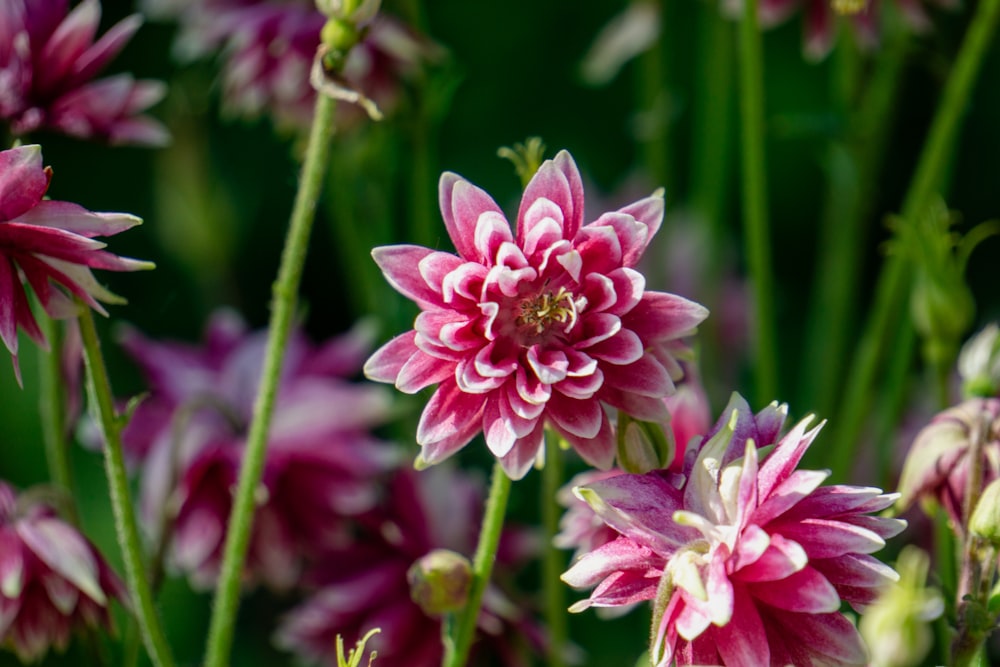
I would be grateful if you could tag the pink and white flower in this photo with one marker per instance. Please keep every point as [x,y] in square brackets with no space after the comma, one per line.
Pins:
[48,60]
[542,326]
[748,561]
[190,435]
[53,581]
[51,247]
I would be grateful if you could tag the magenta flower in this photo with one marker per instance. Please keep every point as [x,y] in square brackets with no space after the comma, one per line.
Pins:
[365,585]
[748,562]
[534,328]
[322,463]
[268,47]
[938,464]
[53,581]
[48,60]
[49,246]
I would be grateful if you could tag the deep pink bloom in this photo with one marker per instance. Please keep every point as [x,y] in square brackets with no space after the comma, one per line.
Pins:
[820,19]
[268,47]
[365,585]
[51,246]
[48,60]
[748,562]
[938,463]
[322,462]
[542,326]
[52,579]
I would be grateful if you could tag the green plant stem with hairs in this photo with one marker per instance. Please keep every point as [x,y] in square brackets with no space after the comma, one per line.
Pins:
[554,561]
[102,405]
[888,324]
[755,215]
[285,293]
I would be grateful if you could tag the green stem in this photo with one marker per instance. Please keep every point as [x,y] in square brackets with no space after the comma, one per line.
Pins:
[554,562]
[52,407]
[652,96]
[887,318]
[101,398]
[285,290]
[755,215]
[457,651]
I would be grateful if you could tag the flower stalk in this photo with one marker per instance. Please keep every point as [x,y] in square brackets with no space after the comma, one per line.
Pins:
[285,292]
[102,404]
[755,215]
[464,628]
[52,408]
[886,324]
[554,562]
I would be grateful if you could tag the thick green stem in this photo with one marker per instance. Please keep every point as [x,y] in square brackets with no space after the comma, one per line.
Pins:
[755,216]
[887,321]
[285,291]
[52,407]
[101,398]
[554,562]
[457,650]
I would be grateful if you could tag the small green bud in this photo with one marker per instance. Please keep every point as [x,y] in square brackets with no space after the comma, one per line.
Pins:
[985,520]
[440,581]
[979,364]
[849,7]
[526,157]
[339,35]
[643,446]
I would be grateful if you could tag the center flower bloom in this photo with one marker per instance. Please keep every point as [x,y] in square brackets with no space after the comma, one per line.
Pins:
[537,327]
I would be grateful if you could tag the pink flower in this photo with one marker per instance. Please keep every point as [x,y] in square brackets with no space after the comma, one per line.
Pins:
[268,47]
[938,464]
[49,246]
[48,60]
[820,19]
[747,562]
[322,462]
[542,326]
[52,579]
[365,585]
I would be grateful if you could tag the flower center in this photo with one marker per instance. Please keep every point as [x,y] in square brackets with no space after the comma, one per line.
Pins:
[542,311]
[849,7]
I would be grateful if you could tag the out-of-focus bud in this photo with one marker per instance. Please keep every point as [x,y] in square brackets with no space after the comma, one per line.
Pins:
[643,446]
[985,520]
[526,157]
[440,581]
[938,464]
[897,626]
[358,12]
[849,7]
[979,364]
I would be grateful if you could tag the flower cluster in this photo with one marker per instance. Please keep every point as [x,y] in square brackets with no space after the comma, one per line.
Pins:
[539,326]
[52,579]
[48,60]
[51,246]
[190,433]
[747,561]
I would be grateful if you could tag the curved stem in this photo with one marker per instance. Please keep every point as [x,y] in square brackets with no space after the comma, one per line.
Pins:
[554,562]
[99,391]
[887,316]
[285,290]
[457,650]
[757,233]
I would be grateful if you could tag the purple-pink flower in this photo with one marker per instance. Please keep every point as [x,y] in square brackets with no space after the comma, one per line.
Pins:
[539,326]
[365,585]
[48,61]
[322,463]
[49,246]
[747,561]
[53,581]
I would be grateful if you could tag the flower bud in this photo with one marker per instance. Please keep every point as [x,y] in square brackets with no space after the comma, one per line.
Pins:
[849,7]
[440,581]
[985,520]
[979,363]
[643,446]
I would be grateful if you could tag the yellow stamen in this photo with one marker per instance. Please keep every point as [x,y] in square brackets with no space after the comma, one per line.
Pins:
[547,308]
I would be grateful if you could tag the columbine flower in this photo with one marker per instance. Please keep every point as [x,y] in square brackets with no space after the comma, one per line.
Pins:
[938,463]
[537,327]
[749,561]
[52,579]
[50,246]
[321,462]
[48,59]
[268,48]
[820,18]
[366,584]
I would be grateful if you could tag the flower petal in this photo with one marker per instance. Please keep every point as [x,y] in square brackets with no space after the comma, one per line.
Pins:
[461,206]
[557,180]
